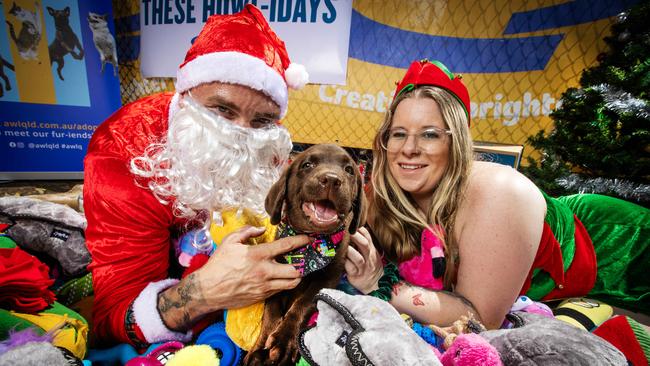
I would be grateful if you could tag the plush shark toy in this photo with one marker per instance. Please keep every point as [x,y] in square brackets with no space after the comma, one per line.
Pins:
[361,330]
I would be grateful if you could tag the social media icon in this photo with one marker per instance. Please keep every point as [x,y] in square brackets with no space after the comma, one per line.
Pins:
[12,144]
[20,145]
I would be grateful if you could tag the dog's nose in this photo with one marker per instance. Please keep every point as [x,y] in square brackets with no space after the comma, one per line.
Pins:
[329,179]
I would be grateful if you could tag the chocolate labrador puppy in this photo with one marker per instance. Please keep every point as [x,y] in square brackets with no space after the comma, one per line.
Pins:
[321,195]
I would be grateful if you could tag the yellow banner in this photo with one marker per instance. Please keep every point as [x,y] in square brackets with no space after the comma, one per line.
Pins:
[516,58]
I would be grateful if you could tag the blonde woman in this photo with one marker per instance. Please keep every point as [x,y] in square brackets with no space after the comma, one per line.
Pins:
[470,236]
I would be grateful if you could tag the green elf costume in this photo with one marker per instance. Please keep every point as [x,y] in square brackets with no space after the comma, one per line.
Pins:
[596,246]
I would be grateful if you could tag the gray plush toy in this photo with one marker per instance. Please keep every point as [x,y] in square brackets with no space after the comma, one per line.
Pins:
[50,228]
[538,340]
[38,354]
[361,330]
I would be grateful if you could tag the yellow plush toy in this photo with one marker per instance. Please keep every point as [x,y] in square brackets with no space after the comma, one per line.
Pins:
[71,329]
[196,355]
[243,325]
[583,313]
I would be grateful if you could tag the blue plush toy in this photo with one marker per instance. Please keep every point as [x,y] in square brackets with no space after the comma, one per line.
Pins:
[215,336]
[193,243]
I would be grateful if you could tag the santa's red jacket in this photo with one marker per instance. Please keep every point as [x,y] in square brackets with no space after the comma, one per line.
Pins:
[129,230]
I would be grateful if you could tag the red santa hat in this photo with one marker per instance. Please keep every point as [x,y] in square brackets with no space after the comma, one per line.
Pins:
[241,49]
[435,73]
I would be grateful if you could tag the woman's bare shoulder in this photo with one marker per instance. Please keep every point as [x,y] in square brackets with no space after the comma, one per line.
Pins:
[492,178]
[495,189]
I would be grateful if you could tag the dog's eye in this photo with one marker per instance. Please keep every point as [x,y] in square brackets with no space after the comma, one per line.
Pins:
[307,165]
[349,169]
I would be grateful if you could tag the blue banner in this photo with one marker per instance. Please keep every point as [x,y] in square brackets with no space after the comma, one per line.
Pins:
[58,82]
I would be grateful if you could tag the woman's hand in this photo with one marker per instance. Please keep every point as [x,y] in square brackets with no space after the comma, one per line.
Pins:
[363,264]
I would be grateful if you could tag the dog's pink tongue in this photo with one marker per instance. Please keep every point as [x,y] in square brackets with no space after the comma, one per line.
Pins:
[321,213]
[324,211]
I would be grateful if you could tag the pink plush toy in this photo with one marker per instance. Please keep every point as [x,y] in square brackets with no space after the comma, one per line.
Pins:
[471,349]
[193,243]
[524,303]
[427,269]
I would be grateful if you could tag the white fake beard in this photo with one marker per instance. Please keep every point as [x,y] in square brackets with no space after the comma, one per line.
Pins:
[209,163]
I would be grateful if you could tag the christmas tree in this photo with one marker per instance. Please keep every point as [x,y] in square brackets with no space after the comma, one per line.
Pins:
[601,139]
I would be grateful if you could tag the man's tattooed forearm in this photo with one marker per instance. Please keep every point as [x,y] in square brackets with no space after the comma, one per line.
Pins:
[189,290]
[179,298]
[164,304]
[185,291]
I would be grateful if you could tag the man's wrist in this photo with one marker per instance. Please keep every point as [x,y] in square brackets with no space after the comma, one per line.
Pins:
[149,320]
[181,305]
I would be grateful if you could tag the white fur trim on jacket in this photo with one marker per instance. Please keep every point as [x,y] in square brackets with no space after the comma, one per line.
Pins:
[145,310]
[234,68]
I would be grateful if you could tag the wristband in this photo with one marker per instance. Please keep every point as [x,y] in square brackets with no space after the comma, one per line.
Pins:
[133,332]
[386,282]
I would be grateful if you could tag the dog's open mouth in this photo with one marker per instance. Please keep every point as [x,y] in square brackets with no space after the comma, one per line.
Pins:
[322,214]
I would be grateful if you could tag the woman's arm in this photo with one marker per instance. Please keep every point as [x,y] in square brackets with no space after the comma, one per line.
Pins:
[430,307]
[499,229]
[364,269]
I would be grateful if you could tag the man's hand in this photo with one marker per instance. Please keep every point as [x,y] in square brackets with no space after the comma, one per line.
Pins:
[235,276]
[363,263]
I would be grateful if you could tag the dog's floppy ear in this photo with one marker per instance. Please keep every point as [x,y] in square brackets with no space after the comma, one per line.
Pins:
[276,196]
[358,206]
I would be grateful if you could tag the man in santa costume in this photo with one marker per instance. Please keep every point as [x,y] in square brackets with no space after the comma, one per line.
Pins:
[156,166]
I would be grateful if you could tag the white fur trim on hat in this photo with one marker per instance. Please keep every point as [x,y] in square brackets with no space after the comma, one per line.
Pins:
[235,68]
[145,311]
[297,76]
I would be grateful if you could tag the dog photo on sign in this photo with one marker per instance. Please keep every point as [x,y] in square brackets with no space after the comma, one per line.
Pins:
[103,40]
[65,40]
[30,31]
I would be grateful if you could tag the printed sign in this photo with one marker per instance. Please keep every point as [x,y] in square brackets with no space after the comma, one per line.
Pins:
[316,32]
[59,82]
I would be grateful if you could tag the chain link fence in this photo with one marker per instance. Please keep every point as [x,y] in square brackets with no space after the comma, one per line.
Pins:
[547,46]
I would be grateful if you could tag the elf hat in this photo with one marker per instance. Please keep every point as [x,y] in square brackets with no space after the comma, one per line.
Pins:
[435,73]
[241,49]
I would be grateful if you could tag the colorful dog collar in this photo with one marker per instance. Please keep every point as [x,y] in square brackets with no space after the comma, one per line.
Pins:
[315,255]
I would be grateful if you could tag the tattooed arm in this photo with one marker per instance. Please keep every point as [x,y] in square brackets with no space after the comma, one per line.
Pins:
[431,307]
[499,227]
[364,268]
[180,306]
[236,275]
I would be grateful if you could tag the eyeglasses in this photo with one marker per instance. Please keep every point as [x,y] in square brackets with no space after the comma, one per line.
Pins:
[427,140]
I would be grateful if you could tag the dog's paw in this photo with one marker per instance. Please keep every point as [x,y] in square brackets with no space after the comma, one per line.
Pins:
[282,346]
[255,358]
